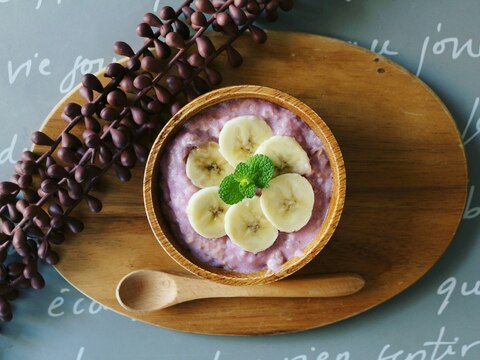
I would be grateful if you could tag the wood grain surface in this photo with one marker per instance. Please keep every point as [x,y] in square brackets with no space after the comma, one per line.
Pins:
[406,189]
[153,197]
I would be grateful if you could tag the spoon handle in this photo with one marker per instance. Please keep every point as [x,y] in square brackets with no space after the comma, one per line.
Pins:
[328,285]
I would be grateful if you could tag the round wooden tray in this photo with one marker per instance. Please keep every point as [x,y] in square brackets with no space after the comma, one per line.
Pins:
[406,187]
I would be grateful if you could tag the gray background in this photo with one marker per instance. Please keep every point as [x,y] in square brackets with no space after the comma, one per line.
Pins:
[437,318]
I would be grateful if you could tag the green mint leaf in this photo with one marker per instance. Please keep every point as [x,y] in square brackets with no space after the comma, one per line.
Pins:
[247,177]
[242,174]
[261,170]
[229,191]
[248,190]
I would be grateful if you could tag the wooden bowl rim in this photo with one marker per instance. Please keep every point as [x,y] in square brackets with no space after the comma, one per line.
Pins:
[151,198]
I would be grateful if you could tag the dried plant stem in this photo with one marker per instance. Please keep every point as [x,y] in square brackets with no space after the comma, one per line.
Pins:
[36,205]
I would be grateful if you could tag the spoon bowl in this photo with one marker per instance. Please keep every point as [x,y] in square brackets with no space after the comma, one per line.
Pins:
[145,288]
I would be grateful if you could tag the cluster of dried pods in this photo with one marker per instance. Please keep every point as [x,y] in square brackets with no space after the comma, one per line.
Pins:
[116,124]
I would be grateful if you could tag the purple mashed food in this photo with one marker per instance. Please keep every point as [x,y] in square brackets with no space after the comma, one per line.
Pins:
[176,187]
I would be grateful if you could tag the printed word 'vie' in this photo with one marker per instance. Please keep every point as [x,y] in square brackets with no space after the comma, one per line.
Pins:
[43,66]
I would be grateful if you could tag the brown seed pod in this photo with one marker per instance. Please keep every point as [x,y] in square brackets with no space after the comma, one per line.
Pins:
[54,237]
[40,138]
[175,40]
[122,172]
[105,154]
[91,82]
[133,64]
[37,282]
[223,19]
[25,181]
[30,195]
[286,5]
[122,48]
[151,64]
[138,115]
[72,110]
[205,46]
[117,98]
[75,190]
[8,187]
[163,95]
[74,225]
[238,15]
[167,13]
[196,60]
[182,29]
[154,106]
[86,94]
[109,113]
[163,50]
[175,107]
[64,198]
[253,7]
[174,83]
[204,6]
[71,141]
[52,257]
[213,76]
[142,81]
[144,30]
[184,69]
[152,20]
[114,70]
[88,109]
[141,152]
[258,35]
[198,20]
[94,204]
[119,138]
[234,57]
[13,213]
[92,124]
[67,155]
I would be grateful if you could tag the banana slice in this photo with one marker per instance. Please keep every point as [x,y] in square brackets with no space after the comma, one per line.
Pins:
[288,202]
[247,226]
[287,155]
[206,213]
[241,136]
[206,166]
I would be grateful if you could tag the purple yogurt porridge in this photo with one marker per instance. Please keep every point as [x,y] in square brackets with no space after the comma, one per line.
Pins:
[177,187]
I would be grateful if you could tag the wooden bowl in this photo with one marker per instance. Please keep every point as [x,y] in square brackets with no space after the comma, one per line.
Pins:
[152,197]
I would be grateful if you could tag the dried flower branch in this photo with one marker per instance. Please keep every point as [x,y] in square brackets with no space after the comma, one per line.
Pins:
[117,122]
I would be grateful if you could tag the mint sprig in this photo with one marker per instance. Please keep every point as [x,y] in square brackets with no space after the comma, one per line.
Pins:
[247,177]
[230,190]
[261,170]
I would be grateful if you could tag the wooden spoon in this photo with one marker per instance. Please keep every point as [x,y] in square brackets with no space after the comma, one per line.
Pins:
[150,290]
